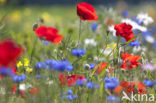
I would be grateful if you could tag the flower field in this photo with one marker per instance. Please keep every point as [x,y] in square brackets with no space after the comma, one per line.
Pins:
[78,54]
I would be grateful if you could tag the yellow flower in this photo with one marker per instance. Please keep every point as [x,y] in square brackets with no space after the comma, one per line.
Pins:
[16,16]
[28,69]
[19,64]
[2,1]
[26,62]
[46,17]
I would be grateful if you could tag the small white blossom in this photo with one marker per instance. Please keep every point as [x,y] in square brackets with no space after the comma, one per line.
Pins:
[112,30]
[90,42]
[145,18]
[149,39]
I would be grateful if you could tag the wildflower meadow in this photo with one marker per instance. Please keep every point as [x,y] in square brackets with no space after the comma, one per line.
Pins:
[82,53]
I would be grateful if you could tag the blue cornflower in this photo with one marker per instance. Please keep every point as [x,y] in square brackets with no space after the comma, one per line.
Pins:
[149,83]
[96,85]
[94,26]
[40,65]
[38,76]
[4,71]
[18,78]
[113,99]
[125,13]
[148,36]
[69,97]
[70,92]
[50,63]
[90,66]
[46,42]
[79,82]
[111,83]
[134,43]
[59,65]
[90,85]
[69,68]
[78,52]
[74,96]
[133,18]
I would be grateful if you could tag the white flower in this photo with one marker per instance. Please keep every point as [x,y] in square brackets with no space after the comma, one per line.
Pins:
[149,39]
[145,18]
[2,91]
[22,86]
[106,51]
[90,42]
[98,58]
[134,25]
[112,30]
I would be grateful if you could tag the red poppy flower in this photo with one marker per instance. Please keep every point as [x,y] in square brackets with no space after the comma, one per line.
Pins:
[22,93]
[86,12]
[129,87]
[100,67]
[124,30]
[141,88]
[9,52]
[14,90]
[69,80]
[129,61]
[33,90]
[49,34]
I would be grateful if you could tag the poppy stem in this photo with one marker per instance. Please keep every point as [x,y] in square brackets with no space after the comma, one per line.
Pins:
[79,32]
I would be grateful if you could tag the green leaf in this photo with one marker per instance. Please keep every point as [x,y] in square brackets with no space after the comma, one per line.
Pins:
[128,42]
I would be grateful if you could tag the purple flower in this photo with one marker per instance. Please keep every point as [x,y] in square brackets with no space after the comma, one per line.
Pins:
[149,66]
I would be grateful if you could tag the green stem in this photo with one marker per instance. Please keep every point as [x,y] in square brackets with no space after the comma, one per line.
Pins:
[79,31]
[33,50]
